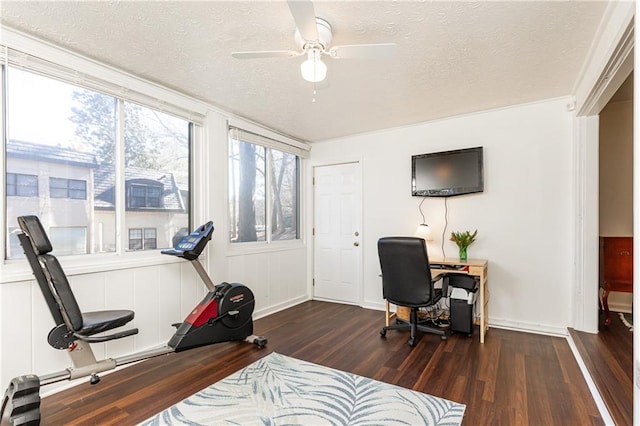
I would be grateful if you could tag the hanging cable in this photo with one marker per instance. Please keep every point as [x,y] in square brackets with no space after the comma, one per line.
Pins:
[446,222]
[420,208]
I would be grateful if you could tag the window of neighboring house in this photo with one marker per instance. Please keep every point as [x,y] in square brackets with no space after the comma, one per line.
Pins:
[68,240]
[142,239]
[68,188]
[15,248]
[140,196]
[263,193]
[77,135]
[21,185]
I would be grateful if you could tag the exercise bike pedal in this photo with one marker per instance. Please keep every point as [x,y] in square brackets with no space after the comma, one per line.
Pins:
[259,341]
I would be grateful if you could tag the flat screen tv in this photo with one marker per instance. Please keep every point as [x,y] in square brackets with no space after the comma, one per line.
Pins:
[447,173]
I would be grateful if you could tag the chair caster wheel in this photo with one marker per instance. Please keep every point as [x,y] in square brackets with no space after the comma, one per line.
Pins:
[383,332]
[95,379]
[443,337]
[412,342]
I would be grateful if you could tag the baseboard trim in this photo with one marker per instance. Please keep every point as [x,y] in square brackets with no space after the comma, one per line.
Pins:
[280,307]
[528,327]
[602,408]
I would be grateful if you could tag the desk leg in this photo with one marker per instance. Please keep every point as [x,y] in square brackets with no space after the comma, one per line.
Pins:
[386,313]
[484,320]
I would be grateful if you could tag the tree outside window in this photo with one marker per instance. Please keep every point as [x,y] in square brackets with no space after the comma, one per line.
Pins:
[249,183]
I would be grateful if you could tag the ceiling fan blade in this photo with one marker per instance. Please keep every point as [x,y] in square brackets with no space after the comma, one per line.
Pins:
[265,54]
[304,15]
[364,51]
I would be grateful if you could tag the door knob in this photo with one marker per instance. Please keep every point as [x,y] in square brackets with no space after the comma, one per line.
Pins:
[356,233]
[356,244]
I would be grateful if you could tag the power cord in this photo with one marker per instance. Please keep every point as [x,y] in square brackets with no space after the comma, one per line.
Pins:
[420,208]
[446,223]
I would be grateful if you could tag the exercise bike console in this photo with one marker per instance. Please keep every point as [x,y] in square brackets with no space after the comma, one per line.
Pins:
[191,246]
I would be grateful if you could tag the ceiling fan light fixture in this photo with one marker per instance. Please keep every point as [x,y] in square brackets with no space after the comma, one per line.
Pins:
[313,69]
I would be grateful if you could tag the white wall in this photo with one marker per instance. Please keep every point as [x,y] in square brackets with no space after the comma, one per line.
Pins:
[524,216]
[616,170]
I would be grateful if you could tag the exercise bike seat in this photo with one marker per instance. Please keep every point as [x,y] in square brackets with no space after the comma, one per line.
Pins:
[56,287]
[99,321]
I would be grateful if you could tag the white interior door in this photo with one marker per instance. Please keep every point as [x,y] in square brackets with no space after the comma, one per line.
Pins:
[338,233]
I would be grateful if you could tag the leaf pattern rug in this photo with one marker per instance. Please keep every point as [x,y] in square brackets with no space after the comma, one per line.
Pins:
[279,390]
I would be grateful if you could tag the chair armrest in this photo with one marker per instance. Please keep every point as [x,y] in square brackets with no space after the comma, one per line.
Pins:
[445,284]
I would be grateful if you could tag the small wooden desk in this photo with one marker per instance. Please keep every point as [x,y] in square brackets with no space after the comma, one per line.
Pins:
[477,268]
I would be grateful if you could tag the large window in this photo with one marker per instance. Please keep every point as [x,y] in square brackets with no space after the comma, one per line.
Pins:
[67,142]
[263,192]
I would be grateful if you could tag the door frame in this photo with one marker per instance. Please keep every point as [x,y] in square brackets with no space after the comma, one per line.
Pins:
[610,63]
[312,220]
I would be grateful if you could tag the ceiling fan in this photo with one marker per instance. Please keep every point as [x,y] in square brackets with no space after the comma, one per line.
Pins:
[314,36]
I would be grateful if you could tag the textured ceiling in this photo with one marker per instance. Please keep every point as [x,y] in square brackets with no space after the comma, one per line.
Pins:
[454,57]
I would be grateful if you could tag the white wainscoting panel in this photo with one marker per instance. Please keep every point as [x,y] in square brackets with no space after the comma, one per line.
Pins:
[17,320]
[159,295]
[276,278]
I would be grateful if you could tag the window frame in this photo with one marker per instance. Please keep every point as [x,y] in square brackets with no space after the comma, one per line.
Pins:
[17,186]
[143,239]
[146,204]
[268,243]
[67,187]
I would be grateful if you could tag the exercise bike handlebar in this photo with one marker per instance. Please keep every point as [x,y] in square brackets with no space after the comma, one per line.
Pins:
[191,246]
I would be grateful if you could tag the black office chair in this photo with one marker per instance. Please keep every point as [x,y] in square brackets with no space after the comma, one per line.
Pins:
[407,281]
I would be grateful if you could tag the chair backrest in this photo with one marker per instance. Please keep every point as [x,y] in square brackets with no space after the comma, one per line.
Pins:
[49,274]
[406,275]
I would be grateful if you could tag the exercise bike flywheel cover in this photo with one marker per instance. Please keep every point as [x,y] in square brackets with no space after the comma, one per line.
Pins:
[237,298]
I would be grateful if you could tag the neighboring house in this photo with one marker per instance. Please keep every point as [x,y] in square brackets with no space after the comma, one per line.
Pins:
[153,200]
[55,184]
[75,199]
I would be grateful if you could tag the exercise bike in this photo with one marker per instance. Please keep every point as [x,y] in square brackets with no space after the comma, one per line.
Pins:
[224,314]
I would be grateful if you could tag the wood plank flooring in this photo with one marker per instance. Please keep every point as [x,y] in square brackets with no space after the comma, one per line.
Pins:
[513,379]
[608,356]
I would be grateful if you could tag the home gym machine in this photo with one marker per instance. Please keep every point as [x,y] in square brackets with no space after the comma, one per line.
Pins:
[225,314]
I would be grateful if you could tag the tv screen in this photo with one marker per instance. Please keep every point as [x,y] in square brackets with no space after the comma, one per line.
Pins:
[447,173]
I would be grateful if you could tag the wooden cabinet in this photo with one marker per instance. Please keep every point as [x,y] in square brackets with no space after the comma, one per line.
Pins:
[616,268]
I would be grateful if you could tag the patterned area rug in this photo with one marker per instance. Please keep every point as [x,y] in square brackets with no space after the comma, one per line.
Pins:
[277,390]
[627,320]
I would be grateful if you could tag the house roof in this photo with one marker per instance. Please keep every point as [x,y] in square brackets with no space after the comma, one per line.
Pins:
[51,154]
[104,181]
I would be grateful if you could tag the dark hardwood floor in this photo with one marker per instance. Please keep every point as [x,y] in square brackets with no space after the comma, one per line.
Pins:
[608,356]
[513,379]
